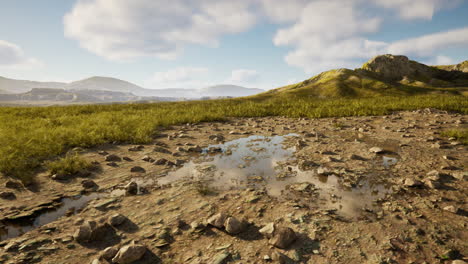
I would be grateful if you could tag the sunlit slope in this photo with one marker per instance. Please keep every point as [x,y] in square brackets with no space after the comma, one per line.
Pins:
[383,75]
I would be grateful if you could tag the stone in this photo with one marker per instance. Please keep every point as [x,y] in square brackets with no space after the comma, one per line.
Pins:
[147,159]
[113,157]
[137,169]
[217,220]
[410,182]
[197,149]
[283,237]
[280,258]
[84,233]
[131,188]
[451,209]
[7,195]
[233,226]
[460,175]
[323,171]
[136,148]
[433,175]
[161,161]
[89,185]
[96,261]
[130,253]
[221,258]
[459,261]
[161,150]
[268,230]
[13,184]
[109,253]
[356,157]
[376,150]
[117,220]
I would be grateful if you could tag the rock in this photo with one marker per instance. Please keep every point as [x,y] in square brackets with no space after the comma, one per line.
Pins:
[268,230]
[279,236]
[85,232]
[60,177]
[433,175]
[136,148]
[460,175]
[283,237]
[376,150]
[127,159]
[130,253]
[103,153]
[13,184]
[161,161]
[221,258]
[458,261]
[113,157]
[7,195]
[410,182]
[96,261]
[131,188]
[137,169]
[233,226]
[109,253]
[323,171]
[161,150]
[147,159]
[451,209]
[217,220]
[117,220]
[89,185]
[280,258]
[197,149]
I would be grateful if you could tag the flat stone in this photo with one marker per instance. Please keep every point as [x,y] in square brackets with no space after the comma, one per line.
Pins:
[218,220]
[130,253]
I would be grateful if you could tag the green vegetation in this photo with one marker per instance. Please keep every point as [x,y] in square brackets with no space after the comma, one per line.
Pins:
[68,165]
[30,136]
[460,134]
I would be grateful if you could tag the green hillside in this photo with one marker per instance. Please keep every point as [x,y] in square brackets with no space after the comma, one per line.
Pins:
[383,75]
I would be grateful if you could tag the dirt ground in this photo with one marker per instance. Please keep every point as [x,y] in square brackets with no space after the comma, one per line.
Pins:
[381,189]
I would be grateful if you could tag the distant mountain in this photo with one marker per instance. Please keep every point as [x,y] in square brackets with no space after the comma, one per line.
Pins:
[227,90]
[382,75]
[22,86]
[109,84]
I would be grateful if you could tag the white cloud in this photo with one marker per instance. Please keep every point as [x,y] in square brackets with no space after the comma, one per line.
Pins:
[283,11]
[243,76]
[417,9]
[182,77]
[440,60]
[122,29]
[426,45]
[12,56]
[322,41]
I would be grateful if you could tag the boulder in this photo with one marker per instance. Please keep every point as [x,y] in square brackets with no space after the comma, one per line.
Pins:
[117,220]
[131,188]
[113,157]
[13,184]
[130,253]
[7,195]
[283,237]
[233,226]
[137,169]
[109,253]
[89,185]
[218,220]
[85,232]
[376,150]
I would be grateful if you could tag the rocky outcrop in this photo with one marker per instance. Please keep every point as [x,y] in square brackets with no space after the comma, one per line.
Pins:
[396,68]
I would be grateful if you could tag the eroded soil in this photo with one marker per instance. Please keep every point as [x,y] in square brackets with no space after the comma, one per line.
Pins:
[354,190]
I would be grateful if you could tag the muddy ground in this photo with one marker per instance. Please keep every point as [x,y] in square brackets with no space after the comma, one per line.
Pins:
[383,189]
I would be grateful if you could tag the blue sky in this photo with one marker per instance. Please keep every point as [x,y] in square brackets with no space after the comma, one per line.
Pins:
[192,44]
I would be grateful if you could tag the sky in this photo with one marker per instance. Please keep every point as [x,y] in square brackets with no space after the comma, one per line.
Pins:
[197,43]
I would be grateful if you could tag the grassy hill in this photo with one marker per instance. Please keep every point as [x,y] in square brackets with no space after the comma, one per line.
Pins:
[384,75]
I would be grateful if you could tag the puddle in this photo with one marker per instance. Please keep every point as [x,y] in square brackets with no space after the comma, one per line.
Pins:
[256,162]
[389,161]
[69,205]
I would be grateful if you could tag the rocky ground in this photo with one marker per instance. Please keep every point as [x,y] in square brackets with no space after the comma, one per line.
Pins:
[417,215]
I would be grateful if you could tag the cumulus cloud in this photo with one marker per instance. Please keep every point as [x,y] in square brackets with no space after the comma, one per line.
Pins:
[242,76]
[122,29]
[12,56]
[426,45]
[416,9]
[440,60]
[181,77]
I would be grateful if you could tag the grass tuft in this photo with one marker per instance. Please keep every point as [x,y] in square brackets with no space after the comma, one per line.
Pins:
[460,134]
[68,165]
